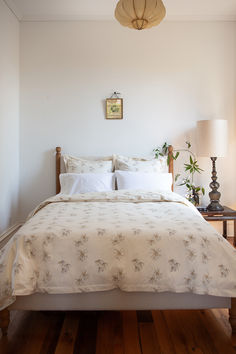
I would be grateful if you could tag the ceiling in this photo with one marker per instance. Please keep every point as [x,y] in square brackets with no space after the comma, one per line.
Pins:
[177,10]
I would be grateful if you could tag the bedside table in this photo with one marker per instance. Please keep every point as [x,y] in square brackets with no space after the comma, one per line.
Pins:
[224,216]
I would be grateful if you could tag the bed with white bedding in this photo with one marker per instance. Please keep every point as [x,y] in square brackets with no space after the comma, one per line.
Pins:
[117,250]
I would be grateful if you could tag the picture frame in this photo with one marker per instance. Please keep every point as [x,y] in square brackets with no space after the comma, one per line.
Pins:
[114,108]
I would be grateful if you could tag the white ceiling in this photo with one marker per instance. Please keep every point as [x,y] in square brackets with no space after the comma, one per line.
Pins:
[51,10]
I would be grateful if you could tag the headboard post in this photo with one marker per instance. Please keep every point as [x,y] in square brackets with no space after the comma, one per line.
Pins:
[58,168]
[171,163]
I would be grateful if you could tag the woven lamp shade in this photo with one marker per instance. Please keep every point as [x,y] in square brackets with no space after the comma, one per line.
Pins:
[140,14]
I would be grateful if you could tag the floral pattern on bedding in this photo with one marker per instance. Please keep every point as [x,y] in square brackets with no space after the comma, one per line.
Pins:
[131,240]
[78,165]
[136,164]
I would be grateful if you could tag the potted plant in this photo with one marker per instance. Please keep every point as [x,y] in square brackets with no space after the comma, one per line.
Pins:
[191,167]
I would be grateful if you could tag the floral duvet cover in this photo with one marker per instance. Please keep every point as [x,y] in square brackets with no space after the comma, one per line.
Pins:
[131,240]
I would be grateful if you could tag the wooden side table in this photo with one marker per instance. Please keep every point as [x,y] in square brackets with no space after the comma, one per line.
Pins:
[224,216]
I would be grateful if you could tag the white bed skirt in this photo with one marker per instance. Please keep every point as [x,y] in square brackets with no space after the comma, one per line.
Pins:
[119,300]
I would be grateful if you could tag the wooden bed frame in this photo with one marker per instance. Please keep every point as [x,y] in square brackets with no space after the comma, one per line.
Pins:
[116,299]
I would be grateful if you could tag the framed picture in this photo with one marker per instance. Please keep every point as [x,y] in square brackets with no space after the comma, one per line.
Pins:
[114,108]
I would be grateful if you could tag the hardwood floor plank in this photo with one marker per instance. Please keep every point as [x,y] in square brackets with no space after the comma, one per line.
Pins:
[36,333]
[7,343]
[144,316]
[195,335]
[104,334]
[162,333]
[86,339]
[222,316]
[18,333]
[177,336]
[148,338]
[216,332]
[131,333]
[68,334]
[171,332]
[55,320]
[109,333]
[207,342]
[118,334]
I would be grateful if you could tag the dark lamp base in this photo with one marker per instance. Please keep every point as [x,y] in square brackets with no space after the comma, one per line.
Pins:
[215,206]
[214,194]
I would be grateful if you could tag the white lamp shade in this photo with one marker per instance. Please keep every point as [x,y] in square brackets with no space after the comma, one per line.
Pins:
[212,137]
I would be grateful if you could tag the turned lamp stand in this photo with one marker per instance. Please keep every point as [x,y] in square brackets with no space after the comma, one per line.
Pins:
[212,141]
[214,194]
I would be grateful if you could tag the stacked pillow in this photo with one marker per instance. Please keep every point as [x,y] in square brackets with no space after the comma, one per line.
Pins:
[83,175]
[135,164]
[74,183]
[78,165]
[146,181]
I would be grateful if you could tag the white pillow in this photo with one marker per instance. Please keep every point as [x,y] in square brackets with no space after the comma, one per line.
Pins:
[142,180]
[135,164]
[78,165]
[74,183]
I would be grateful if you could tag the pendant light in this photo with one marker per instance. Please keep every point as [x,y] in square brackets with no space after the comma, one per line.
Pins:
[140,14]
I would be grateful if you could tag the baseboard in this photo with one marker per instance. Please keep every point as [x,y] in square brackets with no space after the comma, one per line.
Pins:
[6,235]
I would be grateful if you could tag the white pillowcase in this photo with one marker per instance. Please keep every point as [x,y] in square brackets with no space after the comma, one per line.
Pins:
[123,163]
[74,183]
[78,165]
[141,180]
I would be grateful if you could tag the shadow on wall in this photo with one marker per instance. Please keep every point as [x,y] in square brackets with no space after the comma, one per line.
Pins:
[104,107]
[11,213]
[45,175]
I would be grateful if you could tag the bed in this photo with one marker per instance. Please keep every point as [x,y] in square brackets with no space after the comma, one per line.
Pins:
[114,272]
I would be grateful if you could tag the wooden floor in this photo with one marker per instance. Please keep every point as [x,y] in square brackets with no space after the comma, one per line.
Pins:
[127,332]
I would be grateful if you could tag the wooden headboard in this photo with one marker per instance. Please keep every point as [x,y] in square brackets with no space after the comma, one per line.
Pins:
[58,166]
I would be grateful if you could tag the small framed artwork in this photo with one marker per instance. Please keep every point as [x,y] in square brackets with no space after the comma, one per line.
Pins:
[114,108]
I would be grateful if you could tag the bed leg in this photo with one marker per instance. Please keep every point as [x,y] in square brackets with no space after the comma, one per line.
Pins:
[232,315]
[4,321]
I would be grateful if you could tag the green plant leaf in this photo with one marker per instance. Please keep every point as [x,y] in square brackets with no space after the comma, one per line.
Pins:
[177,176]
[187,167]
[176,155]
[168,160]
[188,144]
[161,151]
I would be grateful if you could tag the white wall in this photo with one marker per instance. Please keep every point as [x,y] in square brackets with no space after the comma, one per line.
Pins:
[169,76]
[9,117]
